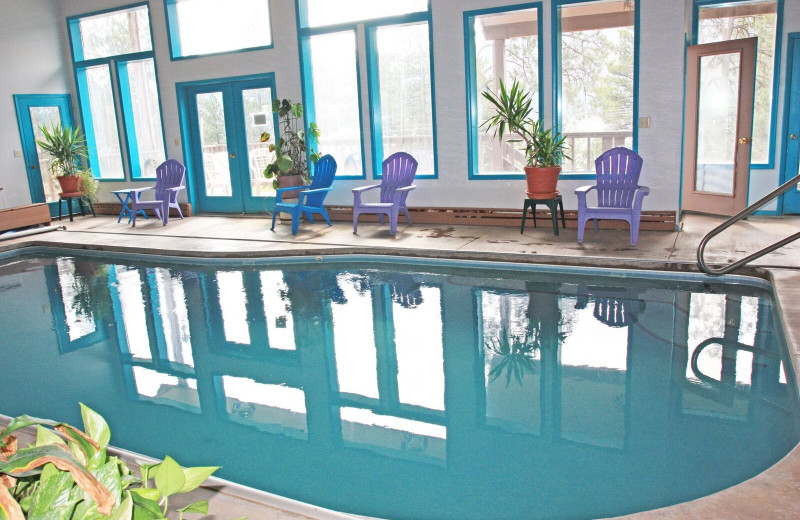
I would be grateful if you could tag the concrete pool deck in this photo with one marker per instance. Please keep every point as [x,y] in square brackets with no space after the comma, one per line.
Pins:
[775,493]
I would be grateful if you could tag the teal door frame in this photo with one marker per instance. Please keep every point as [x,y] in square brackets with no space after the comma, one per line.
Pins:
[23,104]
[241,200]
[791,126]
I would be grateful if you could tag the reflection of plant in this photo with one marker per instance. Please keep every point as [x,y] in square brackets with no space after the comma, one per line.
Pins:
[518,353]
[67,474]
[92,295]
[290,150]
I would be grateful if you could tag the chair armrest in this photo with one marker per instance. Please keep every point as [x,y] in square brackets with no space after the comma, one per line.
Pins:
[280,191]
[584,189]
[581,193]
[641,193]
[399,192]
[305,193]
[406,188]
[176,188]
[365,188]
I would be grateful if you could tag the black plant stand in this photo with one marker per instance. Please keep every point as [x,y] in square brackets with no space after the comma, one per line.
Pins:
[554,204]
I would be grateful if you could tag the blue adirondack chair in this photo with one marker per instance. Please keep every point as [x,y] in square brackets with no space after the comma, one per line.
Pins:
[398,174]
[169,181]
[619,196]
[311,197]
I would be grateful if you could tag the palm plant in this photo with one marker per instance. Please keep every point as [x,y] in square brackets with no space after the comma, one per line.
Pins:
[67,146]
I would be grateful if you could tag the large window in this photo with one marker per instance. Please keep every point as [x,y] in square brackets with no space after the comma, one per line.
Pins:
[120,39]
[595,44]
[746,19]
[399,67]
[502,44]
[202,27]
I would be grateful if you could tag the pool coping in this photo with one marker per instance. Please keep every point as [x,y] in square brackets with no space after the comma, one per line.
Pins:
[774,493]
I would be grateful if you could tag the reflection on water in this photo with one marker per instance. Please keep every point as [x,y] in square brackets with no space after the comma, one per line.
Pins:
[407,392]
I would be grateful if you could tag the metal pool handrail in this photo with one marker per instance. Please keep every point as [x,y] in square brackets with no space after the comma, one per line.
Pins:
[701,263]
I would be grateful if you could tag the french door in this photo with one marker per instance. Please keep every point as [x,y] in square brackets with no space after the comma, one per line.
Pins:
[225,120]
[33,112]
[791,162]
[720,80]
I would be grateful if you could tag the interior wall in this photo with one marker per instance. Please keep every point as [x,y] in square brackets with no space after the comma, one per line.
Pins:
[661,66]
[31,62]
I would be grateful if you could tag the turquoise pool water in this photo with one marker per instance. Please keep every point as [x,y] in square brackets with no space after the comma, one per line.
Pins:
[405,391]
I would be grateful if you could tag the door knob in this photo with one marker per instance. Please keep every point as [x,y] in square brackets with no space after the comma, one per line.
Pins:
[233,156]
[745,140]
[34,167]
[793,137]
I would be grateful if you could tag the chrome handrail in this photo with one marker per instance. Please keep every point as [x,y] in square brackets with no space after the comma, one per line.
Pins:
[701,263]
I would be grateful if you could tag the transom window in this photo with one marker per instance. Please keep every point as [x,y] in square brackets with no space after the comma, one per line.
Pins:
[318,13]
[746,19]
[202,27]
[120,40]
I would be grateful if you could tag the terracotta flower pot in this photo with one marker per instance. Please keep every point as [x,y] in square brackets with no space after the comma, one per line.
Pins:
[69,183]
[542,182]
[290,181]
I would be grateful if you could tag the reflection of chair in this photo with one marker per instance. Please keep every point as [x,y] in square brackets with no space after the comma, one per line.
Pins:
[612,306]
[215,181]
[619,196]
[311,197]
[398,174]
[259,159]
[169,181]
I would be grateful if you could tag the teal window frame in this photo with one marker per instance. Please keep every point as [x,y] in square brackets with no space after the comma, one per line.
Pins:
[776,66]
[555,15]
[117,69]
[473,125]
[174,35]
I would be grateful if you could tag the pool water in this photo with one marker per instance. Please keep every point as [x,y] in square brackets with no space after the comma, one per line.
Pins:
[406,391]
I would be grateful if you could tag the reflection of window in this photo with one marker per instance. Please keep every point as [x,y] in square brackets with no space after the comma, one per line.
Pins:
[118,38]
[233,303]
[596,78]
[165,389]
[745,19]
[134,312]
[198,27]
[174,317]
[354,342]
[393,436]
[503,45]
[80,320]
[278,311]
[272,408]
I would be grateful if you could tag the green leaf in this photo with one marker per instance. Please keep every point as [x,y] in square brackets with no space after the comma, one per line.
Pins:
[52,493]
[297,110]
[151,494]
[285,163]
[95,426]
[63,512]
[123,511]
[108,475]
[21,422]
[144,509]
[196,476]
[199,507]
[48,470]
[170,478]
[276,105]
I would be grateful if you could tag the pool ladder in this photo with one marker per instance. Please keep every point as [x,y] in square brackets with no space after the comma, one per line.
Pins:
[701,263]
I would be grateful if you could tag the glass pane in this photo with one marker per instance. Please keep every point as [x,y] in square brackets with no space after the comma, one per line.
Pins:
[209,26]
[278,311]
[104,123]
[257,104]
[718,108]
[405,92]
[596,79]
[77,307]
[120,32]
[336,111]
[174,317]
[214,144]
[233,304]
[143,92]
[745,20]
[134,313]
[166,389]
[272,408]
[45,116]
[507,48]
[325,12]
[354,340]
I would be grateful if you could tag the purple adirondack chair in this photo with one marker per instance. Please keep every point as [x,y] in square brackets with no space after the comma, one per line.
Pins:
[619,196]
[398,174]
[169,181]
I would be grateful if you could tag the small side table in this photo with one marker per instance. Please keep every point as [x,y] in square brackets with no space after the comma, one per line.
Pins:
[126,208]
[69,197]
[554,204]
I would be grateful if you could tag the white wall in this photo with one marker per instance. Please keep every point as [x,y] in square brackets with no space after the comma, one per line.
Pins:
[31,62]
[663,32]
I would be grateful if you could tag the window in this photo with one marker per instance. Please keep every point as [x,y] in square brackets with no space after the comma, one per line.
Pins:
[399,69]
[744,19]
[595,80]
[202,27]
[502,44]
[121,40]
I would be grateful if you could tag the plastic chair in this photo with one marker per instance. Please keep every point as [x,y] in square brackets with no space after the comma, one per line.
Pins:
[169,181]
[398,174]
[311,197]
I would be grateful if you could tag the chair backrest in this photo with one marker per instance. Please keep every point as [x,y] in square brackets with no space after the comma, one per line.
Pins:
[398,172]
[169,174]
[617,177]
[324,173]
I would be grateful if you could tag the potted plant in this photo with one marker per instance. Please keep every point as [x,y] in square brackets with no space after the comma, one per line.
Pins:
[289,168]
[544,147]
[66,146]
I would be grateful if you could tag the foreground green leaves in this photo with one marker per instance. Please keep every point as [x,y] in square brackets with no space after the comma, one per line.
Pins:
[67,475]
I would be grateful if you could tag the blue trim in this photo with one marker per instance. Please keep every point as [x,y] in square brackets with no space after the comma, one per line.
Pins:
[174,39]
[683,134]
[555,15]
[773,120]
[472,83]
[790,202]
[373,82]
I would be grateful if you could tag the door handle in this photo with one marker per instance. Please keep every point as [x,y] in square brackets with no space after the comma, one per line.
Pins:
[793,137]
[745,140]
[233,156]
[34,167]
